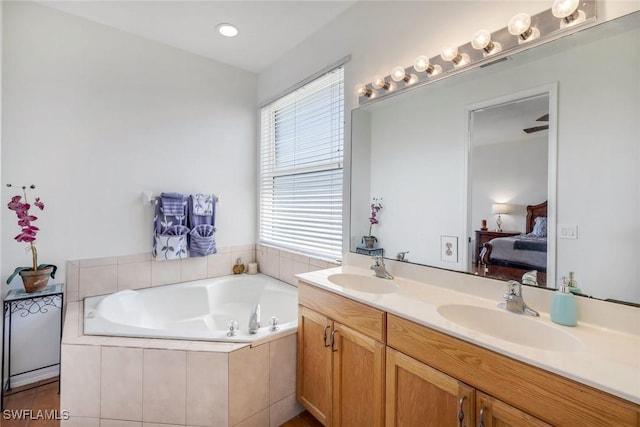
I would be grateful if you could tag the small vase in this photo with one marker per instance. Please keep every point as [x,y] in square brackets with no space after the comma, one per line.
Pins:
[369,242]
[35,280]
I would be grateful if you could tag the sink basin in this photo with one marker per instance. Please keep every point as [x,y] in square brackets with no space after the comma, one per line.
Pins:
[357,282]
[512,327]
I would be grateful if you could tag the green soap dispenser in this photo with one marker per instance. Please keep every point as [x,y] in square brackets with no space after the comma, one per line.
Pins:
[564,310]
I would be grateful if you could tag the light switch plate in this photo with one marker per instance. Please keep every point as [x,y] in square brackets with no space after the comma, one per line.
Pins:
[449,248]
[568,231]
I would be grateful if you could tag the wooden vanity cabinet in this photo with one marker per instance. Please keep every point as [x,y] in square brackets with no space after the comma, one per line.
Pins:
[513,393]
[340,359]
[418,395]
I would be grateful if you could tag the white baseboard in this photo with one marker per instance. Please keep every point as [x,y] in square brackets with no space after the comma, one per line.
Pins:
[32,377]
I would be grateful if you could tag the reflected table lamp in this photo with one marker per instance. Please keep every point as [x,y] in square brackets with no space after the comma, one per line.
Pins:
[500,209]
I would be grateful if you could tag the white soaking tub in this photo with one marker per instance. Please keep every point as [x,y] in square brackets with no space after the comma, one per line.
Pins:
[199,310]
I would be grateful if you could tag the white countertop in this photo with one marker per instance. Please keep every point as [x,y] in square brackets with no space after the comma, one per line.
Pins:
[606,359]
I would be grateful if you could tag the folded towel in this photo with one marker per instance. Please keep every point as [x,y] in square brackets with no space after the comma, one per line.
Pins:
[168,247]
[202,242]
[202,204]
[173,203]
[176,230]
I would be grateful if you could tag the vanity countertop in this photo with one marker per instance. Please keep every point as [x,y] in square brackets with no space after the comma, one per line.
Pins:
[605,359]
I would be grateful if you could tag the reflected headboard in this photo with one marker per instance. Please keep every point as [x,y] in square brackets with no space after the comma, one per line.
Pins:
[534,211]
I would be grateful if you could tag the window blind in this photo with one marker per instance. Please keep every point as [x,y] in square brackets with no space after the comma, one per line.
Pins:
[301,158]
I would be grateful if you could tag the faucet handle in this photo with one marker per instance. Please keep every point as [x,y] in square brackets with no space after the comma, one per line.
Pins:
[514,288]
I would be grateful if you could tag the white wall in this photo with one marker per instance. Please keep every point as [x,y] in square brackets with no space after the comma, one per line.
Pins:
[508,172]
[93,116]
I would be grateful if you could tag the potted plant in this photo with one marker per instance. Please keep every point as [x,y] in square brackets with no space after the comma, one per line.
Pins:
[36,277]
[369,241]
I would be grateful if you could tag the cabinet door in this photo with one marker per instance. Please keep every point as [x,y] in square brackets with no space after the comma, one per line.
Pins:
[313,388]
[419,395]
[358,379]
[492,412]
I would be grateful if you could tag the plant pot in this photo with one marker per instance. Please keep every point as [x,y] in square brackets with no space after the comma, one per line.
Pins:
[35,280]
[369,242]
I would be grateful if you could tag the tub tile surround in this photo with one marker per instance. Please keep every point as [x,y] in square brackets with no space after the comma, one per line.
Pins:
[147,382]
[101,276]
[119,381]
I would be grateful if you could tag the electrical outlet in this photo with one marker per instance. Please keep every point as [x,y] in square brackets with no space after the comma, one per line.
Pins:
[568,231]
[449,248]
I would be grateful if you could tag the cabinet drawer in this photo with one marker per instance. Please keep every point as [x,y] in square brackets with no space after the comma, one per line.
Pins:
[362,318]
[552,398]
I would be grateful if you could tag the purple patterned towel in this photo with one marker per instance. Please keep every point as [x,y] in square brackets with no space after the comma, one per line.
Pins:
[173,204]
[202,240]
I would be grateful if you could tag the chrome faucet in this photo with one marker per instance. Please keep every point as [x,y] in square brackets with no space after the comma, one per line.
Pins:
[402,256]
[514,302]
[254,319]
[379,268]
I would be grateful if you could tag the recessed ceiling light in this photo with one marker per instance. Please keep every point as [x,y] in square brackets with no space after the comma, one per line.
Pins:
[227,30]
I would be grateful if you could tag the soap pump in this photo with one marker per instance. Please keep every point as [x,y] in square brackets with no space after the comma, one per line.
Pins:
[564,310]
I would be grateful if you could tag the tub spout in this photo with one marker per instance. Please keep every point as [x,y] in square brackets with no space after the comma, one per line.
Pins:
[254,319]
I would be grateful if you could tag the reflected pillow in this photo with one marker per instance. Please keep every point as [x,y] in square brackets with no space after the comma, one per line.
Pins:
[540,227]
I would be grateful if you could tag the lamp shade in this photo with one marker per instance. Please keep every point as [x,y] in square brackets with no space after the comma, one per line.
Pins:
[501,208]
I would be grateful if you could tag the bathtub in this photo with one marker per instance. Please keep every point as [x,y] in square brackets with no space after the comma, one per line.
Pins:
[199,310]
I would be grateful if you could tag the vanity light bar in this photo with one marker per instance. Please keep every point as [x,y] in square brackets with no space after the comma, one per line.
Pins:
[522,33]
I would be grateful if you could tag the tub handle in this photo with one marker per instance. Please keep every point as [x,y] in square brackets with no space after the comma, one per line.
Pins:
[326,328]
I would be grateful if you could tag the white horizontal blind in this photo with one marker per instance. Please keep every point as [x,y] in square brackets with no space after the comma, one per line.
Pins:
[301,152]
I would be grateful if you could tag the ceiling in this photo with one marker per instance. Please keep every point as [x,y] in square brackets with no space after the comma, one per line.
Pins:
[267,29]
[505,123]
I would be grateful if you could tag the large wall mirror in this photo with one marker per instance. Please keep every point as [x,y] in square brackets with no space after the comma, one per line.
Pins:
[444,161]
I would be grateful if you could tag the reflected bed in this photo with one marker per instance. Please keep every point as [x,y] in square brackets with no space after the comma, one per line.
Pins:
[509,258]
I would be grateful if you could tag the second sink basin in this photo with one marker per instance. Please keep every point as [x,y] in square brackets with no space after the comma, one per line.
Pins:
[357,282]
[512,327]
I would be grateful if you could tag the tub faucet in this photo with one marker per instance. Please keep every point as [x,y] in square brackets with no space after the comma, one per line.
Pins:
[254,319]
[379,268]
[514,301]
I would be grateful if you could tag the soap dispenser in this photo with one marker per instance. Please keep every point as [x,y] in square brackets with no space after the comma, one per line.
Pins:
[564,310]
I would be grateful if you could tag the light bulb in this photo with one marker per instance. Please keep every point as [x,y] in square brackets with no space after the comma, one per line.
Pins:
[449,53]
[567,11]
[361,90]
[380,83]
[564,8]
[398,74]
[421,64]
[482,41]
[519,24]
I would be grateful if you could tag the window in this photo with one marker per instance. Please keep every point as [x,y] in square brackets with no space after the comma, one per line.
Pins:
[301,152]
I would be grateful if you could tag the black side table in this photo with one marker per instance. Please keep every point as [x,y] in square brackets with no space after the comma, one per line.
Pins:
[24,304]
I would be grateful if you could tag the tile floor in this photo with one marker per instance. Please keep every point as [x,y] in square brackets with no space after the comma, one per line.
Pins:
[45,397]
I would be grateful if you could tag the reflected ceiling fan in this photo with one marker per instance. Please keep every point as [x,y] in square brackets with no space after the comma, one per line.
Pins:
[533,129]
